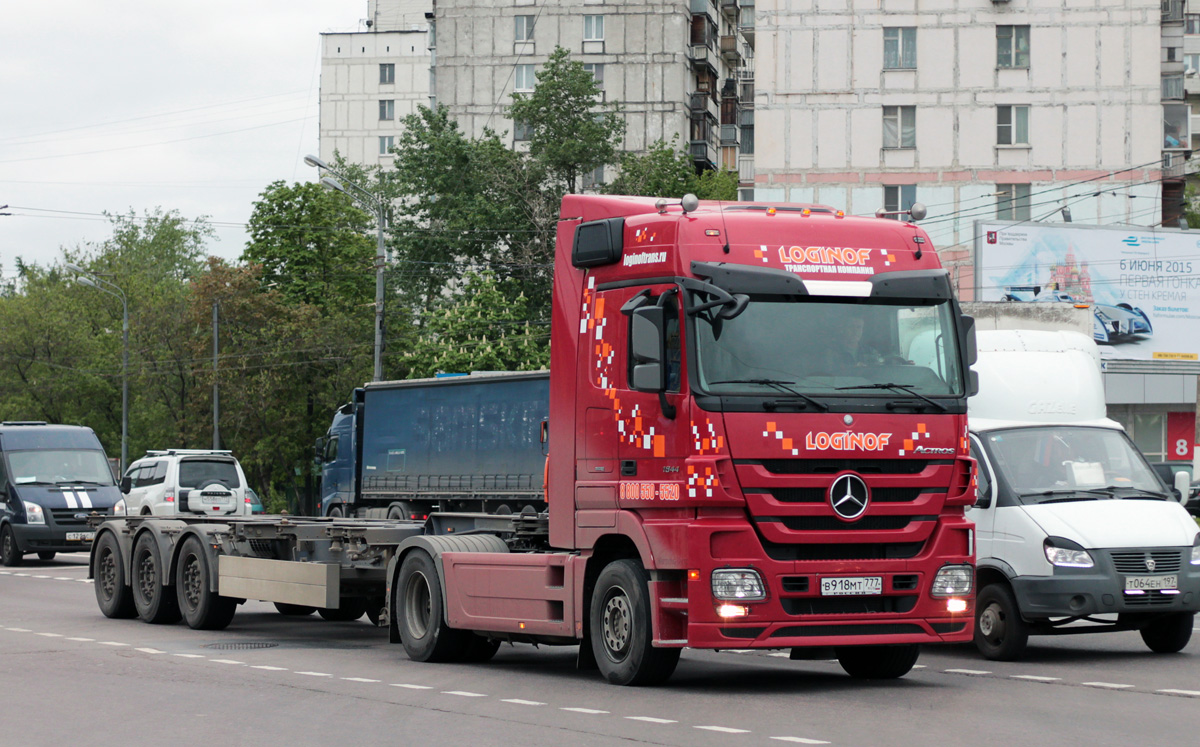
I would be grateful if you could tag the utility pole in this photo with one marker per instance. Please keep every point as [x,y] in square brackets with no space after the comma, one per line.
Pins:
[216,388]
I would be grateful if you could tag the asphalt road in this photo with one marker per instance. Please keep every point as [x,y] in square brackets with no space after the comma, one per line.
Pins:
[68,675]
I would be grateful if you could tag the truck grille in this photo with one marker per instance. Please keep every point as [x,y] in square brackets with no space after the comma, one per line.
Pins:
[842,551]
[1165,561]
[820,495]
[834,524]
[847,605]
[834,466]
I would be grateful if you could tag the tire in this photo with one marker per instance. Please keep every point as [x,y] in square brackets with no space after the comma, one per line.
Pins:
[294,610]
[479,649]
[620,628]
[154,603]
[202,608]
[335,512]
[374,609]
[113,594]
[1169,634]
[878,662]
[47,556]
[10,555]
[347,611]
[395,514]
[1000,633]
[420,614]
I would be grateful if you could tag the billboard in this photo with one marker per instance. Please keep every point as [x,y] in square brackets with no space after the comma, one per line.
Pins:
[1142,285]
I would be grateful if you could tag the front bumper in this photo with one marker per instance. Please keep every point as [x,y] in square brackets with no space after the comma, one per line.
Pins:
[46,538]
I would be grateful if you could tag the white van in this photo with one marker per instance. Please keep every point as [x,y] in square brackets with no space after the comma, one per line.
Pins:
[1071,522]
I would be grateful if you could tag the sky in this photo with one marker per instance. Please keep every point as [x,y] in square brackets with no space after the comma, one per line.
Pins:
[108,107]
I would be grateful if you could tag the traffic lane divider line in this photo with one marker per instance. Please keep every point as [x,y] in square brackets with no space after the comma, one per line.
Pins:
[269,668]
[591,711]
[358,679]
[315,674]
[519,701]
[1108,685]
[410,687]
[1035,678]
[651,720]
[723,729]
[463,693]
[226,661]
[799,740]
[1185,693]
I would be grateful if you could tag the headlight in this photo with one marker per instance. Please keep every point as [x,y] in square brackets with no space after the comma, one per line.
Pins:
[1196,551]
[1066,557]
[34,513]
[952,580]
[738,584]
[118,508]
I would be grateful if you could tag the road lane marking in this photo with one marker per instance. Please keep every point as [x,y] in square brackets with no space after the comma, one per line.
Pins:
[592,711]
[780,654]
[26,575]
[518,701]
[83,640]
[315,674]
[51,635]
[915,666]
[20,630]
[1189,693]
[967,671]
[151,651]
[411,687]
[112,643]
[269,668]
[189,656]
[63,578]
[226,661]
[464,693]
[723,729]
[358,679]
[39,576]
[1034,678]
[799,740]
[1109,685]
[651,720]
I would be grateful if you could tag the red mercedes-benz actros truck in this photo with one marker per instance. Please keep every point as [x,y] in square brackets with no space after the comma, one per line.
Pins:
[756,437]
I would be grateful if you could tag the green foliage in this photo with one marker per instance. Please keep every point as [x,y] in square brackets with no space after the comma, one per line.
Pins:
[665,170]
[717,185]
[569,133]
[484,327]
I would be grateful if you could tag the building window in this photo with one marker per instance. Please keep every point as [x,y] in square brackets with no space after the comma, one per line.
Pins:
[1173,54]
[1191,63]
[1191,23]
[523,28]
[899,197]
[1175,126]
[1012,46]
[1013,201]
[1172,87]
[386,143]
[387,109]
[387,73]
[593,178]
[900,48]
[1012,125]
[593,28]
[597,71]
[524,79]
[522,131]
[899,126]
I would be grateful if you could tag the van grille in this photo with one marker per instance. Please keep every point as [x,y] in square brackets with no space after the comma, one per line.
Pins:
[65,517]
[1165,561]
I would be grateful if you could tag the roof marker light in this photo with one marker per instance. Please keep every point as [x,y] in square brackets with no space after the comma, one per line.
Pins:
[805,212]
[771,211]
[840,214]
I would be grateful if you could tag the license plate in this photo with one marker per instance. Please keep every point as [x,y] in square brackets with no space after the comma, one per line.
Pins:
[1151,583]
[80,536]
[854,585]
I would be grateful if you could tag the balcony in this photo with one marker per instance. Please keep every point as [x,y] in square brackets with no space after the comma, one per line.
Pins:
[746,169]
[746,21]
[730,9]
[707,8]
[704,153]
[729,134]
[1172,10]
[703,58]
[729,50]
[702,105]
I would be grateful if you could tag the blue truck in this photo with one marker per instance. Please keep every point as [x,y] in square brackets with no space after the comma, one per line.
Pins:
[404,449]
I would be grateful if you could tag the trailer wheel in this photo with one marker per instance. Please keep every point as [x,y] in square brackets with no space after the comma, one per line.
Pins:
[47,556]
[1169,634]
[335,512]
[112,593]
[346,611]
[9,554]
[621,633]
[154,603]
[202,608]
[1000,633]
[294,610]
[419,612]
[878,662]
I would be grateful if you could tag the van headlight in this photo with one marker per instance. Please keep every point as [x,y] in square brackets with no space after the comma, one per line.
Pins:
[34,513]
[1196,551]
[952,581]
[738,585]
[1066,557]
[118,508]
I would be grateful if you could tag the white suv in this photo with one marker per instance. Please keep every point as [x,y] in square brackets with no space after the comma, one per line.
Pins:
[186,481]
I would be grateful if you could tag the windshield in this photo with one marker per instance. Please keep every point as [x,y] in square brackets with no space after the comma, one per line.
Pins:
[1054,463]
[55,466]
[196,473]
[816,344]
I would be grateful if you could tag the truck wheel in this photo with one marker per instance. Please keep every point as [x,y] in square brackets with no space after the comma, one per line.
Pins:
[1000,633]
[374,608]
[1169,634]
[202,608]
[347,610]
[878,662]
[419,612]
[9,554]
[294,610]
[47,556]
[622,638]
[479,649]
[335,512]
[154,603]
[112,593]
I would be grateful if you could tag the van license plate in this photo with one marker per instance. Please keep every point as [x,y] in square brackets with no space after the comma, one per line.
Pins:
[80,536]
[857,585]
[1151,583]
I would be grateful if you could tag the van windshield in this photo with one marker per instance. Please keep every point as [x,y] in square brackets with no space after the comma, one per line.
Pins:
[57,466]
[1070,463]
[196,473]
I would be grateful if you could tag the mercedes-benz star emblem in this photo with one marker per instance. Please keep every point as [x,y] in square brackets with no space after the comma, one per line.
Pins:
[849,496]
[1150,564]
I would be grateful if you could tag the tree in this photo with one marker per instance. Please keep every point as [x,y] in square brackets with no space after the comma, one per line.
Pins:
[569,133]
[667,171]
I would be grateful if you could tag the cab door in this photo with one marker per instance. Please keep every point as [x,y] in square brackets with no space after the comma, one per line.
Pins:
[983,513]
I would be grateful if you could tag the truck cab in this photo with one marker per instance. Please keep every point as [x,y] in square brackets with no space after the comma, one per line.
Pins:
[52,477]
[1076,533]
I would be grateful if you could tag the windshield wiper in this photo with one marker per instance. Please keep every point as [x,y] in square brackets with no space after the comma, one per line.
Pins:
[896,388]
[79,482]
[781,386]
[1109,491]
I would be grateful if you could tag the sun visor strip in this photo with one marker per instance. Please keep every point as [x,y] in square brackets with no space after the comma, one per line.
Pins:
[766,281]
[934,284]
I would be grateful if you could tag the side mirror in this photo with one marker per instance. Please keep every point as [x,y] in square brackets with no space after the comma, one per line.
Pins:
[970,347]
[648,349]
[1183,484]
[126,484]
[984,498]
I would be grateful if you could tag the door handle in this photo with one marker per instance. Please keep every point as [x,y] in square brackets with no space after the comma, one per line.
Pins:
[628,467]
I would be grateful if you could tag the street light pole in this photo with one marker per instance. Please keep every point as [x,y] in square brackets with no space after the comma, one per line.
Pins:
[376,205]
[93,281]
[216,392]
